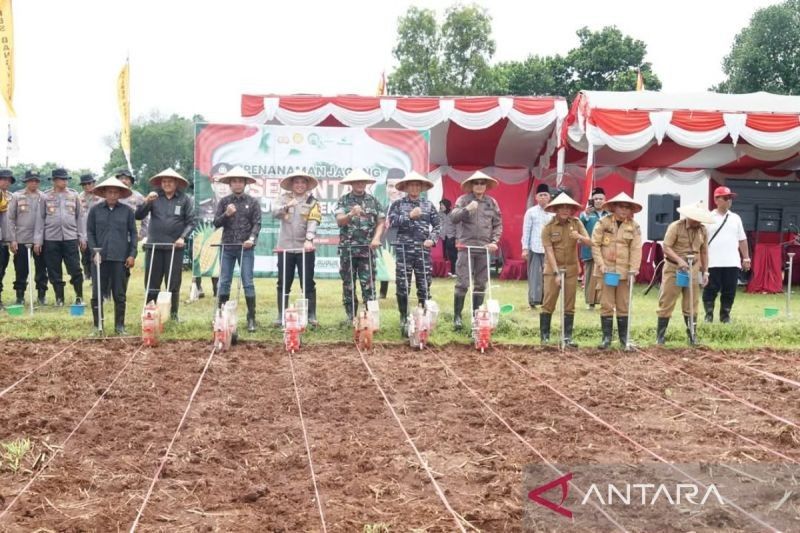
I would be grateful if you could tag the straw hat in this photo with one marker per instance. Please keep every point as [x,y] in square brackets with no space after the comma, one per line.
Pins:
[622,198]
[236,172]
[561,199]
[698,212]
[357,176]
[155,181]
[491,183]
[100,190]
[413,177]
[286,183]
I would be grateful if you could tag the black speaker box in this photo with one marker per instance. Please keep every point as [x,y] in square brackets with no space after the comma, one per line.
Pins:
[662,210]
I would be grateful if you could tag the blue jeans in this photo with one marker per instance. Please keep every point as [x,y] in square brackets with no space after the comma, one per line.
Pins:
[230,256]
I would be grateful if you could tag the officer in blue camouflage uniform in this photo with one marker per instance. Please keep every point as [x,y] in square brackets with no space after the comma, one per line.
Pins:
[360,218]
[418,227]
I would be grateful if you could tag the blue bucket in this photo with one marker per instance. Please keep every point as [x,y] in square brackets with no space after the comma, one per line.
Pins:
[611,279]
[77,309]
[682,278]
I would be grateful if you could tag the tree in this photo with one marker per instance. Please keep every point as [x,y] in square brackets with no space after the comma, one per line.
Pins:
[765,55]
[45,171]
[449,59]
[156,144]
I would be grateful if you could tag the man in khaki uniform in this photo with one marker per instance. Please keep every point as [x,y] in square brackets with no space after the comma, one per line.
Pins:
[616,247]
[684,237]
[560,238]
[478,222]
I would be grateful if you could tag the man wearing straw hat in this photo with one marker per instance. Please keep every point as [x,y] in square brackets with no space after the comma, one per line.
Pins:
[239,214]
[360,218]
[172,220]
[684,237]
[616,248]
[59,236]
[532,250]
[560,238]
[300,215]
[24,213]
[478,222]
[594,212]
[418,228]
[111,227]
[88,200]
[6,180]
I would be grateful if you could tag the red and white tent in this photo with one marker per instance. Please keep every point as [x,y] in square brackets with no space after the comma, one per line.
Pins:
[506,137]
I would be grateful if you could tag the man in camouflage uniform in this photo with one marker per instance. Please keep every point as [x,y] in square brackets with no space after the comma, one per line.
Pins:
[24,213]
[616,247]
[478,222]
[360,218]
[59,236]
[88,199]
[418,227]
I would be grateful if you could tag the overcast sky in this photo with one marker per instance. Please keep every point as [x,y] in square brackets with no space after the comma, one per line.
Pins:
[197,56]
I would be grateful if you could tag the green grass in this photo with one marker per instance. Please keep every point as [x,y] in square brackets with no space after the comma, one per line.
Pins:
[749,328]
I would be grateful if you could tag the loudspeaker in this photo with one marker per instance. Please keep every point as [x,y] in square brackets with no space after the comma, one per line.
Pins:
[662,210]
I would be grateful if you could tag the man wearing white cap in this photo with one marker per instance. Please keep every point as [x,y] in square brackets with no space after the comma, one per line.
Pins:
[360,218]
[684,237]
[172,220]
[418,227]
[300,215]
[616,248]
[111,227]
[727,254]
[478,222]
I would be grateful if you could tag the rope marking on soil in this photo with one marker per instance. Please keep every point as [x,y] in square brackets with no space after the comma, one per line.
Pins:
[720,390]
[63,444]
[684,409]
[637,444]
[164,459]
[29,374]
[308,447]
[422,461]
[521,438]
[776,377]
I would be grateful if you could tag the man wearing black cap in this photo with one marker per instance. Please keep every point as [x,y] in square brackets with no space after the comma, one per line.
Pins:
[532,248]
[594,212]
[6,179]
[88,199]
[59,236]
[24,212]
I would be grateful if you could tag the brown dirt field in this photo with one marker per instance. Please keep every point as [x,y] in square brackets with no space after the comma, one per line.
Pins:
[240,463]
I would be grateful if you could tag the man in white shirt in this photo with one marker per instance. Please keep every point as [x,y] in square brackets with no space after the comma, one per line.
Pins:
[727,240]
[532,248]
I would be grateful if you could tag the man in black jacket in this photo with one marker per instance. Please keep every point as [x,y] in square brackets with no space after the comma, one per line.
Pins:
[111,228]
[172,220]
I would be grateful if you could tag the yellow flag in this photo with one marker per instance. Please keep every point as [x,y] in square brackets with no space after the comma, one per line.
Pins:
[7,60]
[123,97]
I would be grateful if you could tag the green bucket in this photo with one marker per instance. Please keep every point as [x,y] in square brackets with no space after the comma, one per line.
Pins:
[507,308]
[15,310]
[770,312]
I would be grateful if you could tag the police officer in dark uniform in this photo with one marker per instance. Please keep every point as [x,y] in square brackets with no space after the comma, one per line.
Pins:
[6,180]
[24,213]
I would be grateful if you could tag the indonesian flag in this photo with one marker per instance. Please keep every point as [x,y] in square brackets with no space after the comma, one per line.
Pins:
[639,80]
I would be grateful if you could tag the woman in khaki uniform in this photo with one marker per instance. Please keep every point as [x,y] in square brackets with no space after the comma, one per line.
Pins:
[616,247]
[684,237]
[560,238]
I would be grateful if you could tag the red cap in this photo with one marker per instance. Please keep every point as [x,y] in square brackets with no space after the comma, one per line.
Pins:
[723,191]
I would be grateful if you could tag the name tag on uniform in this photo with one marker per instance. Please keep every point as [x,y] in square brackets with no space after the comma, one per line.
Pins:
[177,210]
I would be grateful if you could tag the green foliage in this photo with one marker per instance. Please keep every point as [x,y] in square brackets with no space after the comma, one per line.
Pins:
[765,55]
[45,170]
[14,452]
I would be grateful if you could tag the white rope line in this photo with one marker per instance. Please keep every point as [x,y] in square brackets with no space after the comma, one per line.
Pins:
[172,442]
[71,433]
[29,374]
[523,440]
[638,445]
[423,463]
[308,447]
[765,373]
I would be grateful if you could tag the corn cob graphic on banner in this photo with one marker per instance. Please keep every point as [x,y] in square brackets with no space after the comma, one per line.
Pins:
[205,257]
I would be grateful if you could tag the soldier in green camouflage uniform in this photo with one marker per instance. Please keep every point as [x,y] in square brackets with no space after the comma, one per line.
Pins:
[360,218]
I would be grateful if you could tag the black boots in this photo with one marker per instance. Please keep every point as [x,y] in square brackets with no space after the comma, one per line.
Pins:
[569,321]
[41,297]
[384,289]
[709,308]
[251,313]
[661,330]
[119,319]
[544,327]
[59,296]
[622,331]
[458,307]
[312,309]
[607,326]
[282,303]
[20,298]
[725,315]
[223,298]
[173,310]
[402,306]
[352,311]
[691,332]
[477,301]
